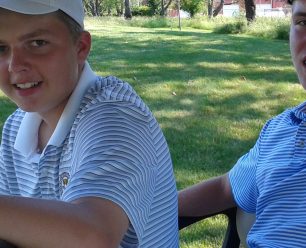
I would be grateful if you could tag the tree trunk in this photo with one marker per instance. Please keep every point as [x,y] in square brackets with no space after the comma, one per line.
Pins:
[98,9]
[250,10]
[90,7]
[127,10]
[162,10]
[210,8]
[167,6]
[219,8]
[119,8]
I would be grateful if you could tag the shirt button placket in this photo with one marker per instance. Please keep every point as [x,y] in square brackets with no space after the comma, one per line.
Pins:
[300,143]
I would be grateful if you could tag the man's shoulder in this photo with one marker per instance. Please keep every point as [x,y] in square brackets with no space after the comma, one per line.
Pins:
[14,119]
[289,117]
[12,125]
[283,124]
[111,88]
[112,91]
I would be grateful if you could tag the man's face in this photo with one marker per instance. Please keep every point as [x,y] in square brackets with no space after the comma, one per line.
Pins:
[298,39]
[40,64]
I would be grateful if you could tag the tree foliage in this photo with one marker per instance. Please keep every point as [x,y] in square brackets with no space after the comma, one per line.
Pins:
[160,7]
[103,7]
[191,6]
[93,7]
[153,6]
[125,7]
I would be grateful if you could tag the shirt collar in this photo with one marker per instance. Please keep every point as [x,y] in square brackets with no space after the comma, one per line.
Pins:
[299,113]
[27,136]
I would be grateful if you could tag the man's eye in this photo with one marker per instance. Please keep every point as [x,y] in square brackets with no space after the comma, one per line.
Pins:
[38,43]
[300,22]
[2,49]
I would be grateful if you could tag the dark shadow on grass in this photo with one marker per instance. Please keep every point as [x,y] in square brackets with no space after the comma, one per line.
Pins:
[201,58]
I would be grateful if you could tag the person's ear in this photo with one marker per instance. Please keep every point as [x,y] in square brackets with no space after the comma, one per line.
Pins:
[83,46]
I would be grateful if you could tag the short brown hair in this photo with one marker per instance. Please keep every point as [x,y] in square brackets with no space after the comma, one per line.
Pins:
[74,28]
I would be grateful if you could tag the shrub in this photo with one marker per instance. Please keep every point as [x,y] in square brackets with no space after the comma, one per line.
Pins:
[191,6]
[271,28]
[142,11]
[236,27]
[199,22]
[266,27]
[158,22]
[282,32]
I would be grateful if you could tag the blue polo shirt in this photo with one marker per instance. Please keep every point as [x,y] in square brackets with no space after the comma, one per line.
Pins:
[107,144]
[270,180]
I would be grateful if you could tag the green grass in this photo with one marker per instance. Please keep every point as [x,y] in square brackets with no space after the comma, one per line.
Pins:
[211,94]
[7,107]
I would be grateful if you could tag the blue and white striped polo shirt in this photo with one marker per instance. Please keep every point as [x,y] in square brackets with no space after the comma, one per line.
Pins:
[270,181]
[107,144]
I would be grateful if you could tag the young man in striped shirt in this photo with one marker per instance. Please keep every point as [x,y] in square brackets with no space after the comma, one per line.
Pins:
[83,162]
[270,180]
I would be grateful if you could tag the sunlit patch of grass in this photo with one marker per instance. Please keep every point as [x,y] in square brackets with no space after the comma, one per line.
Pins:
[195,237]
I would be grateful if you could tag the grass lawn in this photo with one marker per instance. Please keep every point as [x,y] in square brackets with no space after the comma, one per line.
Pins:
[211,94]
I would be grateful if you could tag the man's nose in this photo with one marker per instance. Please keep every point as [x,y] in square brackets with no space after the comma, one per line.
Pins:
[17,61]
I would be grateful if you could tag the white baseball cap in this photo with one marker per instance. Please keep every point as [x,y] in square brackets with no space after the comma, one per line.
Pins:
[73,8]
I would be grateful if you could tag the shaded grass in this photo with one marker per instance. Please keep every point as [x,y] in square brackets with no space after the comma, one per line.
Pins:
[6,108]
[211,94]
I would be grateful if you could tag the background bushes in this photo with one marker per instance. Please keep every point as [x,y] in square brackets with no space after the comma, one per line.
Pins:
[264,27]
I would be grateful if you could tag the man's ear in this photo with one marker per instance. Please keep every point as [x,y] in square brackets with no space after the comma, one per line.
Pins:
[83,46]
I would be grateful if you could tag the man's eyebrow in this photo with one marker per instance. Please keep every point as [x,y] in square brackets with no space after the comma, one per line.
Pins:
[30,35]
[35,33]
[299,13]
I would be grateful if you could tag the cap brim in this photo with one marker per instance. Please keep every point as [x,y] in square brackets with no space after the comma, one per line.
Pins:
[26,7]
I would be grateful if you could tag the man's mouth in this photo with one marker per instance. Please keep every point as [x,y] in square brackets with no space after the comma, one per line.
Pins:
[29,85]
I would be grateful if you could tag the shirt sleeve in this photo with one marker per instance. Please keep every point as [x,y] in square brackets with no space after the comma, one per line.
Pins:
[114,158]
[243,177]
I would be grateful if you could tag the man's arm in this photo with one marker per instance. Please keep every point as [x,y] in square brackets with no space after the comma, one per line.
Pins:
[88,222]
[207,197]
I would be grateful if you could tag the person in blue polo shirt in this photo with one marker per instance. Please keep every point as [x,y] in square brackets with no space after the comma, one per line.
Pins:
[270,180]
[83,162]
